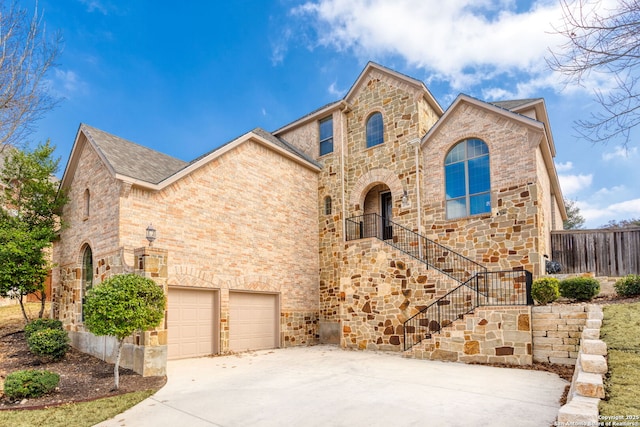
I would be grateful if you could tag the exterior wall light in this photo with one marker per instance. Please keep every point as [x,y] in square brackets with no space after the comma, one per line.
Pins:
[151,234]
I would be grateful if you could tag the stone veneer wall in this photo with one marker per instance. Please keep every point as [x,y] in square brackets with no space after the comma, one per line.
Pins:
[380,289]
[556,332]
[510,236]
[144,352]
[489,335]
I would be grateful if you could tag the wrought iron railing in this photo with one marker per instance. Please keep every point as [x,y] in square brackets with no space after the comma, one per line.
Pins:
[494,288]
[451,263]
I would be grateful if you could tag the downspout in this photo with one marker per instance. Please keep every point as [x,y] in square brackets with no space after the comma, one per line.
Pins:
[416,144]
[343,136]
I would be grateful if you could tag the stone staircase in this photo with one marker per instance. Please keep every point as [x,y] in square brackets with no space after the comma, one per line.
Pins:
[486,318]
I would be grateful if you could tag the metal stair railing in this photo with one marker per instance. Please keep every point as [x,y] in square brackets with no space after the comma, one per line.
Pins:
[435,255]
[494,288]
[476,286]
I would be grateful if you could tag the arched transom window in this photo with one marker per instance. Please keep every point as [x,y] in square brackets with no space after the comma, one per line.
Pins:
[375,130]
[467,179]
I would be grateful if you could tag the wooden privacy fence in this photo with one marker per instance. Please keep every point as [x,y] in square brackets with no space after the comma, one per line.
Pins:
[605,252]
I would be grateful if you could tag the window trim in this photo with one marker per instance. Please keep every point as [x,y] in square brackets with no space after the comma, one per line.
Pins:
[467,183]
[366,128]
[328,140]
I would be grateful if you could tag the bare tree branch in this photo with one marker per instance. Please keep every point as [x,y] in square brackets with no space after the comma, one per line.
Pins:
[27,53]
[604,41]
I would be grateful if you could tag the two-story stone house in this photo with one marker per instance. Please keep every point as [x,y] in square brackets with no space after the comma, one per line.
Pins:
[329,229]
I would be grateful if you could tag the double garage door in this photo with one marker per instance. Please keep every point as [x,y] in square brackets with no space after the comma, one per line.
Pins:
[194,317]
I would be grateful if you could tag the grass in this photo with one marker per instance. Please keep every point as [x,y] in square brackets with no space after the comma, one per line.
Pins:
[621,331]
[75,414]
[70,415]
[12,314]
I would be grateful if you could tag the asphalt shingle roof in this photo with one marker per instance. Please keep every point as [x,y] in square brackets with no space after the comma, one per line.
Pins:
[130,159]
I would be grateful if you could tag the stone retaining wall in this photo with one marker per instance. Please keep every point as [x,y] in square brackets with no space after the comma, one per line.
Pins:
[587,387]
[489,335]
[556,332]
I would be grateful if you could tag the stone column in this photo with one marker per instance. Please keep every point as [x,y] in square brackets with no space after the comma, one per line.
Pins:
[147,353]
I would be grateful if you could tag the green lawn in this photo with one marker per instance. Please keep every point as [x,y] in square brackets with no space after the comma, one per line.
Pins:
[621,331]
[74,415]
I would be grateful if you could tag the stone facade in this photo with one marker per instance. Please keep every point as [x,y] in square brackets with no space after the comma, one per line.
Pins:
[556,332]
[267,213]
[489,335]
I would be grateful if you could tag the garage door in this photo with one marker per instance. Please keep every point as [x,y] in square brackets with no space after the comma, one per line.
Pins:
[253,321]
[191,321]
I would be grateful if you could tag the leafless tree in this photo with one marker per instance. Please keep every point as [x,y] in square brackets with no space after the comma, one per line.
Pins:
[606,40]
[27,53]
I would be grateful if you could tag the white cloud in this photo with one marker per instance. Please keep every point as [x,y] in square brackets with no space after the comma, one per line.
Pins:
[95,5]
[572,184]
[620,153]
[334,91]
[596,215]
[463,42]
[66,83]
[564,167]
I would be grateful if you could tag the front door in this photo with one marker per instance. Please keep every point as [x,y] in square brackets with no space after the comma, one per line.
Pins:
[386,213]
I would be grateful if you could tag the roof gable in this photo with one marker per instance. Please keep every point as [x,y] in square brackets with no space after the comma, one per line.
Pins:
[461,99]
[134,163]
[372,67]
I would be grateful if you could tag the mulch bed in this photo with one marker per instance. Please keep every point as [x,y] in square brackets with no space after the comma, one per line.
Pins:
[82,377]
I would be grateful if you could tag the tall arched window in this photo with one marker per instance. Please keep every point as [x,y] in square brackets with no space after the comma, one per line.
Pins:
[87,273]
[467,179]
[375,130]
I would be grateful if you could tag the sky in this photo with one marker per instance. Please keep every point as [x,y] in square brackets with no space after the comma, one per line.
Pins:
[185,77]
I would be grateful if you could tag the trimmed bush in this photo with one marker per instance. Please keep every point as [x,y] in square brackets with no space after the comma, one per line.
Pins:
[30,383]
[580,288]
[628,285]
[49,344]
[545,290]
[40,324]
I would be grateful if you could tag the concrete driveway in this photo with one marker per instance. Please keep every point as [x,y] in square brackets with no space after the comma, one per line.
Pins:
[328,386]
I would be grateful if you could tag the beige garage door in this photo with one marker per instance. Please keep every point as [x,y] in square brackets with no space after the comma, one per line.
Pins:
[191,321]
[253,321]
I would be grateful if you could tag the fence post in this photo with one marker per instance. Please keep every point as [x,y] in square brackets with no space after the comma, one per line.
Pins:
[529,283]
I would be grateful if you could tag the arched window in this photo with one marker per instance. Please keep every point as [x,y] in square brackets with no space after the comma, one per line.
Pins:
[375,130]
[467,179]
[87,273]
[87,203]
[327,205]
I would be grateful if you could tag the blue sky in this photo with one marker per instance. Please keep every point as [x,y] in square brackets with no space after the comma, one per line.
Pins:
[185,77]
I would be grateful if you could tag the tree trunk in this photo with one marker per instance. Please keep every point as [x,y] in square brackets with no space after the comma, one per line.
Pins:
[24,312]
[43,301]
[116,367]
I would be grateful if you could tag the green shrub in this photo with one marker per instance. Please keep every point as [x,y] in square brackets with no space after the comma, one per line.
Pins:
[545,290]
[40,324]
[628,285]
[28,384]
[579,288]
[49,344]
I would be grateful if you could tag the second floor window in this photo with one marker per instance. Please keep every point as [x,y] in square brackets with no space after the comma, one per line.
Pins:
[375,130]
[467,179]
[326,136]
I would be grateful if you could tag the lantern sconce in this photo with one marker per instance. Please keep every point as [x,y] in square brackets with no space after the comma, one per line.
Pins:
[151,234]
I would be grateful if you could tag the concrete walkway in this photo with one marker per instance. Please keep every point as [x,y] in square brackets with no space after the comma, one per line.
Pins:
[327,386]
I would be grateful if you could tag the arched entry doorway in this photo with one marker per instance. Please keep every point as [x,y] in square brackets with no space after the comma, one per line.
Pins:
[378,207]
